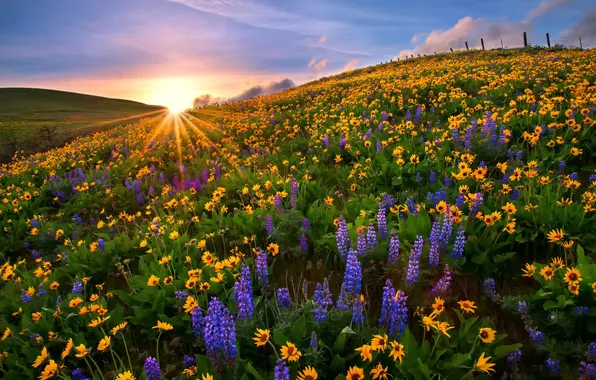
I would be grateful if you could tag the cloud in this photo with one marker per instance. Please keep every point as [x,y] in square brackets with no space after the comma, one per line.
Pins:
[312,62]
[317,67]
[585,28]
[473,29]
[350,65]
[251,92]
[322,40]
[545,7]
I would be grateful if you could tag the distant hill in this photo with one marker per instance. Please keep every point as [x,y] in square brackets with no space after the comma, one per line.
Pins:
[28,114]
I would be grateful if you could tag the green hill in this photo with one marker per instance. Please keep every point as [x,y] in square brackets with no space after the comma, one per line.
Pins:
[34,120]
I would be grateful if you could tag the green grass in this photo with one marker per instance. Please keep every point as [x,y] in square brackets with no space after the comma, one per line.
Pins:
[33,120]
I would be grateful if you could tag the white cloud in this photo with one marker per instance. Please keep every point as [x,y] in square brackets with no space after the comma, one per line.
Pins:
[473,29]
[545,7]
[585,28]
[322,40]
[350,65]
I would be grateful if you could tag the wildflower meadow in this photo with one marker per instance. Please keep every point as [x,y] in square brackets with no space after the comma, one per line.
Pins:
[432,218]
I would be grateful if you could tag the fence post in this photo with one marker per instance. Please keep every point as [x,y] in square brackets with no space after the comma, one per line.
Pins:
[548,40]
[482,43]
[451,49]
[501,43]
[525,40]
[581,47]
[467,48]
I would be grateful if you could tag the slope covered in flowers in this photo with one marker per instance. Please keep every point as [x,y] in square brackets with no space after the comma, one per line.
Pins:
[431,218]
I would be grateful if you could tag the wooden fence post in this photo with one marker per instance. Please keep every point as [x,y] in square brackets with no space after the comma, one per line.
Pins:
[482,43]
[525,40]
[467,47]
[548,40]
[581,47]
[451,49]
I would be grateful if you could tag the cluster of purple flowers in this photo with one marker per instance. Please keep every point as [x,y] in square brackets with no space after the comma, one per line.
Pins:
[382,223]
[342,238]
[303,243]
[283,297]
[358,312]
[78,374]
[554,367]
[77,286]
[394,310]
[269,224]
[393,250]
[294,190]
[443,285]
[414,262]
[197,322]
[152,370]
[262,271]
[322,299]
[371,236]
[490,289]
[243,295]
[434,242]
[220,335]
[412,206]
[458,247]
[281,371]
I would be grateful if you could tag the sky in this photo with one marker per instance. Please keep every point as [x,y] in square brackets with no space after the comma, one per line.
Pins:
[148,50]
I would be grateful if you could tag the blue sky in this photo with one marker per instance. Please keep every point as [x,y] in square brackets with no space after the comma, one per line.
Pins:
[133,48]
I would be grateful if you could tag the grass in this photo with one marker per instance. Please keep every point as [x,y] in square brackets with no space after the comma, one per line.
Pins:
[34,120]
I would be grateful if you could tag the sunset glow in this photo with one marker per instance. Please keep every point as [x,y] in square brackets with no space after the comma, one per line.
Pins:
[175,94]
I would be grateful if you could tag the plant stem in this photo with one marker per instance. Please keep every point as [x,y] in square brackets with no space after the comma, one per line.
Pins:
[126,348]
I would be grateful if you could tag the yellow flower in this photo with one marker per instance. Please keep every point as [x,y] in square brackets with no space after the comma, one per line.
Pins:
[573,276]
[355,373]
[529,271]
[547,273]
[206,376]
[104,343]
[329,201]
[556,263]
[439,305]
[6,334]
[273,249]
[290,353]
[397,351]
[81,351]
[365,352]
[379,372]
[487,335]
[164,260]
[483,365]
[49,371]
[41,358]
[428,321]
[555,235]
[443,327]
[192,371]
[379,343]
[308,373]
[125,376]
[119,327]
[163,326]
[261,337]
[174,235]
[153,280]
[467,306]
[67,349]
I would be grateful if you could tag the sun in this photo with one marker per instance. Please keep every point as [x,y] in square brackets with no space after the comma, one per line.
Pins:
[174,93]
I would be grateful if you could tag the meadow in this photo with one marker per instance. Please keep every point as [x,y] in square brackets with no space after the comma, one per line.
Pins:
[423,219]
[34,120]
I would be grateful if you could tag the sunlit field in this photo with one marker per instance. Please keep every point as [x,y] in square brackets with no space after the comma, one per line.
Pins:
[431,218]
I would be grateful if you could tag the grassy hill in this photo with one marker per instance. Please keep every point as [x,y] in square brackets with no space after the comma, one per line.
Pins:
[26,114]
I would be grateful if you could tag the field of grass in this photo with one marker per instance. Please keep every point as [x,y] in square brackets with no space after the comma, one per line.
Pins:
[33,120]
[424,219]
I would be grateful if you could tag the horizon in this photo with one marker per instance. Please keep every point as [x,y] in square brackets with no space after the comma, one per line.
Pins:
[171,52]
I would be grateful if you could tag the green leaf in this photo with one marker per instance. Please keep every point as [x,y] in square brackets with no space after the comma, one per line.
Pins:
[250,369]
[458,360]
[503,257]
[279,338]
[340,342]
[503,351]
[424,369]
[581,256]
[338,364]
[298,329]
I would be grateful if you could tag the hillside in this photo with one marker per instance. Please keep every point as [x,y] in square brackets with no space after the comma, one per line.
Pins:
[426,219]
[58,117]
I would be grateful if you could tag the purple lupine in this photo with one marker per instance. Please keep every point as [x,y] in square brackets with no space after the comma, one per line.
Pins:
[393,250]
[303,243]
[591,353]
[101,244]
[327,301]
[379,146]
[371,236]
[586,371]
[281,371]
[361,243]
[243,296]
[277,203]
[343,302]
[408,114]
[386,303]
[77,286]
[368,133]
[358,313]
[342,238]
[269,224]
[262,271]
[197,322]
[455,136]
[458,247]
[536,337]
[293,192]
[414,262]
[432,177]
[412,206]
[382,223]
[313,340]
[78,374]
[152,370]
[353,275]
[476,204]
[319,300]
[189,361]
[553,366]
[513,360]
[41,291]
[342,142]
[283,297]
[325,141]
[25,297]
[514,196]
[398,320]
[181,295]
[435,242]
[220,335]
[490,289]
[443,285]
[446,230]
[305,225]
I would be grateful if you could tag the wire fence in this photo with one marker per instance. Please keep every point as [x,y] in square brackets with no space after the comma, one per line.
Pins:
[525,40]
